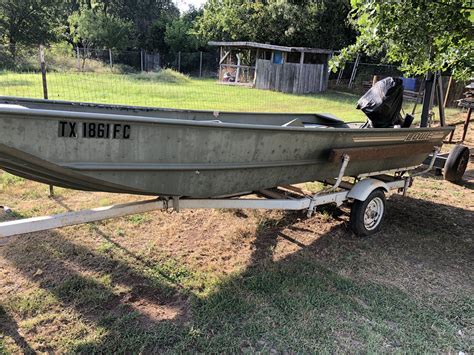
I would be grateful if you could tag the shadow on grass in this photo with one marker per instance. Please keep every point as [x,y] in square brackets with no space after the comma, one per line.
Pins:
[9,327]
[407,289]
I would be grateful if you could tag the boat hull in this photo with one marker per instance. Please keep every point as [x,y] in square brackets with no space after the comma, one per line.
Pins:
[171,157]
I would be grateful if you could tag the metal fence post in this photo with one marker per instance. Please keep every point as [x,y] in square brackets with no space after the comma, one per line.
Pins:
[200,64]
[110,58]
[78,59]
[179,61]
[141,60]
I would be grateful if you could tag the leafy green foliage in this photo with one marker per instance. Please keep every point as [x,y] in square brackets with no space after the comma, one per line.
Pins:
[149,19]
[28,22]
[178,36]
[303,23]
[103,23]
[100,29]
[419,35]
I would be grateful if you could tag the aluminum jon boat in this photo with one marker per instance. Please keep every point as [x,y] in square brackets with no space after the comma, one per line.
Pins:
[196,154]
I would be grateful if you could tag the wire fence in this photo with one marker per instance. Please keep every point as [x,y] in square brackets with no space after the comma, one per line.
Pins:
[64,58]
[170,80]
[359,76]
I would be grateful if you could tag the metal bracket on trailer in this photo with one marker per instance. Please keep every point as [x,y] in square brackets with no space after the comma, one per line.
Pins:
[312,205]
[436,151]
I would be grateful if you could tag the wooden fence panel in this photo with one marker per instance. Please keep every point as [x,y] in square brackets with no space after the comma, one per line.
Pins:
[291,77]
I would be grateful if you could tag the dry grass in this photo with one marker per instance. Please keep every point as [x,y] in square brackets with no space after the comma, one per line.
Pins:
[228,281]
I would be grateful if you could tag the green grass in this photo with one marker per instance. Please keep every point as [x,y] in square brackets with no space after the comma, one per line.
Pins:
[169,89]
[31,304]
[7,179]
[173,92]
[138,219]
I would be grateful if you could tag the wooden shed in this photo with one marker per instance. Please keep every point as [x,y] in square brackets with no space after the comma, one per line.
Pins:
[298,70]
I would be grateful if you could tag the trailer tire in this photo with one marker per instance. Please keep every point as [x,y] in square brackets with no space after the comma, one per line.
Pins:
[367,216]
[456,163]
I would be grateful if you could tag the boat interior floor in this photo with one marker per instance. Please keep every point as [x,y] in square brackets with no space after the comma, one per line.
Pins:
[301,120]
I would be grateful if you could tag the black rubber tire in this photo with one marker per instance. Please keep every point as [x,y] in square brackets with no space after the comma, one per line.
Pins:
[358,212]
[456,163]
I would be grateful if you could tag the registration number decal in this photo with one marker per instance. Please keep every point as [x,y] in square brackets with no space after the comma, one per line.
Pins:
[70,129]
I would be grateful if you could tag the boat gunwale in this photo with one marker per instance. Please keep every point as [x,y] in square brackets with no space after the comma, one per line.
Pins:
[55,114]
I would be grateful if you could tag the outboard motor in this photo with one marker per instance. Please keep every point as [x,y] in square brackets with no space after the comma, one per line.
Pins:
[382,104]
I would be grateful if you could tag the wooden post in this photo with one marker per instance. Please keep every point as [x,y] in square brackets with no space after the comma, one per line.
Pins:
[439,98]
[257,55]
[45,92]
[200,64]
[297,88]
[374,80]
[221,54]
[179,61]
[141,60]
[447,91]
[427,99]
[466,123]
[43,71]
[110,58]
[237,74]
[78,59]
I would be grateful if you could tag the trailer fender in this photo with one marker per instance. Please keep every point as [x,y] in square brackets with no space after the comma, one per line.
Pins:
[364,188]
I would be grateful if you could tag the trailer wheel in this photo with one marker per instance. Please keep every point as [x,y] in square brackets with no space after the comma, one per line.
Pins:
[456,163]
[366,216]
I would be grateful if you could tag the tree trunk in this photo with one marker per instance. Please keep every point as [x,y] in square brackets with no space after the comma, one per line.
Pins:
[12,48]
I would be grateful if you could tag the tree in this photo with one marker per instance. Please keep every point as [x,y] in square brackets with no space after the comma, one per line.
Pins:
[96,28]
[309,23]
[28,22]
[179,34]
[420,36]
[149,19]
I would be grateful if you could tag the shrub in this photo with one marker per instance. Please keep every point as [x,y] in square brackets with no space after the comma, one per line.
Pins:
[164,76]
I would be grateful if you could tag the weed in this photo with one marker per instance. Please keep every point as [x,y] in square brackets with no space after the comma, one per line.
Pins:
[7,179]
[105,247]
[104,202]
[163,76]
[32,303]
[265,224]
[138,219]
[83,291]
[120,232]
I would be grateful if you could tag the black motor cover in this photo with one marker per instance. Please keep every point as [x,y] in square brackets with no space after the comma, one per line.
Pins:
[383,102]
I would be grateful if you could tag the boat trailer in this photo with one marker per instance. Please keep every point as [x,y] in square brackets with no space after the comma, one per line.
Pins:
[367,212]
